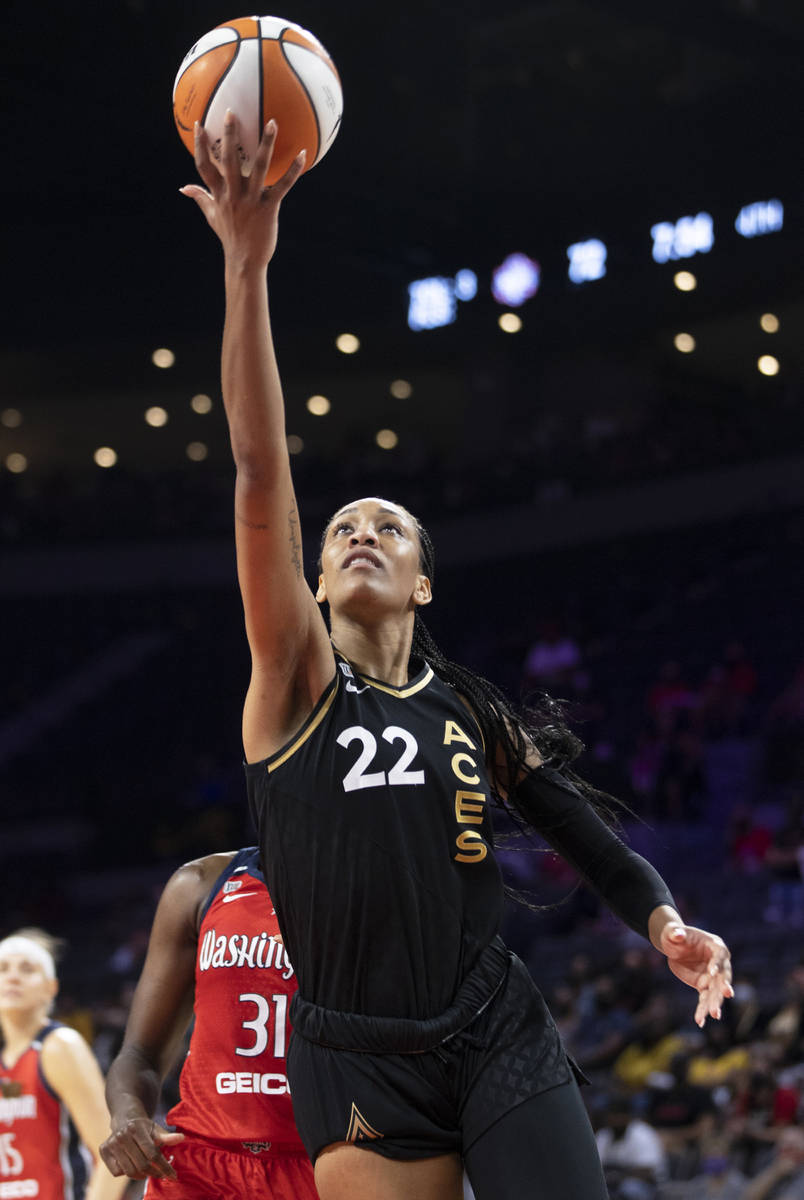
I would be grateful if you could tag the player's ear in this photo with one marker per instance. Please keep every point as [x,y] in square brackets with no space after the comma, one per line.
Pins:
[321,594]
[423,592]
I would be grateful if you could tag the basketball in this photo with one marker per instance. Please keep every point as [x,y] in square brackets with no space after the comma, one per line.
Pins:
[260,67]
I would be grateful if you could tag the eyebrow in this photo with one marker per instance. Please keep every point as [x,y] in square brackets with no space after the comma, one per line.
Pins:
[381,512]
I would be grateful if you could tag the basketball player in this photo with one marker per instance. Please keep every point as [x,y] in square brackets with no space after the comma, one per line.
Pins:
[373,761]
[215,952]
[51,1088]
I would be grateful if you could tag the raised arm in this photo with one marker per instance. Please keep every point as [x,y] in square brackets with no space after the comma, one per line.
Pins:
[160,1013]
[292,659]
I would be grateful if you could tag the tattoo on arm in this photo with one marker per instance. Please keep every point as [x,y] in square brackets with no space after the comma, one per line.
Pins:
[249,524]
[295,541]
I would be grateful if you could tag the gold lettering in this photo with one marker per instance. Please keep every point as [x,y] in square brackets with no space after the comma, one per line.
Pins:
[473,848]
[454,733]
[465,808]
[459,758]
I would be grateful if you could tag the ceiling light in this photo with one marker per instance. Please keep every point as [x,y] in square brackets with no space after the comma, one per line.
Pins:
[509,322]
[684,342]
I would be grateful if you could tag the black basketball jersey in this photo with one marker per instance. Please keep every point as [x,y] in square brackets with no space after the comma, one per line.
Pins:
[376,843]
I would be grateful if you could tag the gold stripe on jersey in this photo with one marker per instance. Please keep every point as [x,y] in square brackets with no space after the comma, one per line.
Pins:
[308,729]
[400,693]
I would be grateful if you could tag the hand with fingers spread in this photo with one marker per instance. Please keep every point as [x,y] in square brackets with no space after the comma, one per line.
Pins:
[701,960]
[241,209]
[135,1149]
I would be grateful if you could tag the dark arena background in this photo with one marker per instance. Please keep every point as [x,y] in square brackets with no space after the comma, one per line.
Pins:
[567,241]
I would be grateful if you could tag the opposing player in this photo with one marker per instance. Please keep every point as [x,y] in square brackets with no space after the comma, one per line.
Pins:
[215,952]
[52,1112]
[418,1037]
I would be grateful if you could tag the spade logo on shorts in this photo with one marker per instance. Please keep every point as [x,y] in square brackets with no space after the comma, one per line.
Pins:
[359,1128]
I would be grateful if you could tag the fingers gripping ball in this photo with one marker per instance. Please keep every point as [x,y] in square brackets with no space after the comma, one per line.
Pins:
[260,67]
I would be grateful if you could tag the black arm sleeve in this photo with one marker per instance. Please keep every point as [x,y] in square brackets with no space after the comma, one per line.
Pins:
[630,886]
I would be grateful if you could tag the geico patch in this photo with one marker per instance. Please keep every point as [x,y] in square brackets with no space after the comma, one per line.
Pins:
[251,1083]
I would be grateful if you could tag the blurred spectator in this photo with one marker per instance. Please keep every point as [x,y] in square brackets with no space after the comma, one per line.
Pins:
[716,1177]
[748,840]
[636,976]
[784,860]
[785,1028]
[601,1037]
[129,956]
[653,1047]
[681,1113]
[645,764]
[681,783]
[631,1151]
[669,694]
[761,1111]
[718,1061]
[748,1016]
[741,675]
[783,1178]
[552,660]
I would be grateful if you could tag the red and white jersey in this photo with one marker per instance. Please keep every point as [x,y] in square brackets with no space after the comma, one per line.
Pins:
[40,1152]
[233,1086]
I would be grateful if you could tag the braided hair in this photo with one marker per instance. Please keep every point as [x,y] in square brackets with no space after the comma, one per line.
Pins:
[509,731]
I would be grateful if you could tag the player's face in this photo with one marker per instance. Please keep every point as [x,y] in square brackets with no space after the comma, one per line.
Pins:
[371,560]
[24,986]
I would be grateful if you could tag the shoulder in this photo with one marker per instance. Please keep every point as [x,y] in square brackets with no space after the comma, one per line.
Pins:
[63,1050]
[196,877]
[188,888]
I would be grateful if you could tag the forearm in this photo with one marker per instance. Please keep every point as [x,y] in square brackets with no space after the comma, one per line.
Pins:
[252,390]
[103,1185]
[133,1087]
[629,885]
[762,1185]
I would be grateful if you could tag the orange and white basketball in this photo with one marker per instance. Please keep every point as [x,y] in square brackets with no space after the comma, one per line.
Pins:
[260,67]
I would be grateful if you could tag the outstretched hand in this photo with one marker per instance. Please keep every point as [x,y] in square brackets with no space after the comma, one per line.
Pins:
[136,1150]
[241,209]
[701,960]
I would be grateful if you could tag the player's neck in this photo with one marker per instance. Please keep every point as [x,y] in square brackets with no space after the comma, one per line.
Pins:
[381,651]
[19,1029]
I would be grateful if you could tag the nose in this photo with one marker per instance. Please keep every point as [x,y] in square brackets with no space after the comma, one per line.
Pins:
[363,536]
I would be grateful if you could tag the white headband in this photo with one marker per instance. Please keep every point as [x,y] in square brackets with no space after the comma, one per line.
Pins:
[32,950]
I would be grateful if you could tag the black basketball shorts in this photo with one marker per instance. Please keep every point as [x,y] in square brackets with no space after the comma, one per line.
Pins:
[417,1105]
